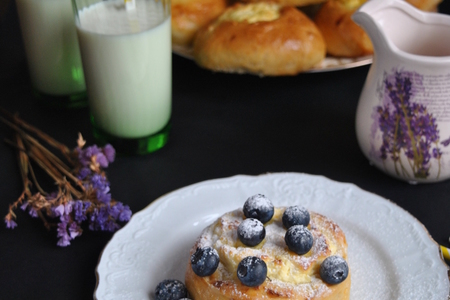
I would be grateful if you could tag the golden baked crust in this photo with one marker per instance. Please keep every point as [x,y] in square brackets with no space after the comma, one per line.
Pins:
[299,3]
[189,15]
[290,276]
[426,5]
[261,38]
[343,37]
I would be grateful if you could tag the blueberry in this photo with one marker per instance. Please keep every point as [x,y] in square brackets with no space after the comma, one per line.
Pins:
[252,271]
[251,232]
[295,215]
[259,207]
[299,239]
[170,289]
[334,269]
[205,261]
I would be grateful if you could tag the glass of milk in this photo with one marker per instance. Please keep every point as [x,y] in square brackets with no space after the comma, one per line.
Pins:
[52,51]
[127,58]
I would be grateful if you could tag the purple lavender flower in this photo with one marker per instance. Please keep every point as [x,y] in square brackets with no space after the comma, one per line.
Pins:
[64,237]
[68,208]
[104,195]
[111,225]
[80,209]
[106,217]
[109,152]
[83,173]
[74,230]
[104,156]
[102,160]
[24,206]
[120,212]
[58,210]
[32,212]
[98,219]
[10,223]
[84,156]
[101,184]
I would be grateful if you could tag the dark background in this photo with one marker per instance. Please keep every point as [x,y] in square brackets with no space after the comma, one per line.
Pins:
[223,125]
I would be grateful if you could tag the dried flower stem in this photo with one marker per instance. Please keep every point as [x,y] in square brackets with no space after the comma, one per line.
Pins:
[14,118]
[42,156]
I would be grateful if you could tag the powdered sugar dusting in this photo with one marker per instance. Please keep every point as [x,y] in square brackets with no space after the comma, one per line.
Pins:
[295,215]
[259,200]
[250,227]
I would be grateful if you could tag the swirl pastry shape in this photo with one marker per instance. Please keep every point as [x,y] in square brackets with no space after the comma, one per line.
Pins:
[289,275]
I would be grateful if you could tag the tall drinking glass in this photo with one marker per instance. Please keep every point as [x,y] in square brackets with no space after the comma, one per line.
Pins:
[52,51]
[127,59]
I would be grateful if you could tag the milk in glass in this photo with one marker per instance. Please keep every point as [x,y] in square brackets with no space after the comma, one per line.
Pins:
[128,66]
[51,46]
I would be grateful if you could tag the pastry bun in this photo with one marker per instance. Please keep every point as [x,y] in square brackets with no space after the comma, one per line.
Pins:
[426,5]
[188,16]
[299,3]
[260,38]
[343,37]
[289,275]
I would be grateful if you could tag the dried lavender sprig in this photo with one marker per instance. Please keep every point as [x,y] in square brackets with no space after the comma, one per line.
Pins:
[93,203]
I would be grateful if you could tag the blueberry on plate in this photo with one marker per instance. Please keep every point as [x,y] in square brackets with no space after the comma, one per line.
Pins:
[259,207]
[205,261]
[252,271]
[295,215]
[251,232]
[170,289]
[299,239]
[334,269]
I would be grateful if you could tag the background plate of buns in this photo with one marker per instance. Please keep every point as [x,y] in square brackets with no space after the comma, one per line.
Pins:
[273,37]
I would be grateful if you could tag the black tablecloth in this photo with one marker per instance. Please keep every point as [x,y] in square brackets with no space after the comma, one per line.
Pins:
[223,125]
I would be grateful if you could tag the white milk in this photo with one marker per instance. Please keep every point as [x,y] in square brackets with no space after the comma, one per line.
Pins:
[128,75]
[51,45]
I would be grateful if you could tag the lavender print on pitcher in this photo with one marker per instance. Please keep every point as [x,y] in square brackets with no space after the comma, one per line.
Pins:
[403,114]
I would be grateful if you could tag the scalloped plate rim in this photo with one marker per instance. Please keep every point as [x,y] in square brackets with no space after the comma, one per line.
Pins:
[329,64]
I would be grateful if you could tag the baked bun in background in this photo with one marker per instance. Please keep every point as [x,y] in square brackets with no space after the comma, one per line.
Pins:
[343,37]
[426,5]
[289,275]
[260,38]
[299,3]
[189,15]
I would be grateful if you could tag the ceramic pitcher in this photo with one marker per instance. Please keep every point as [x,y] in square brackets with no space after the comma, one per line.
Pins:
[403,114]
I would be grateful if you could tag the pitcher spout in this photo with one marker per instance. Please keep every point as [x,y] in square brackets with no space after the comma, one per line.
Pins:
[395,26]
[366,17]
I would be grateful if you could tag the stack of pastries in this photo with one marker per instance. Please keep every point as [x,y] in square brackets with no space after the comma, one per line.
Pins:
[270,37]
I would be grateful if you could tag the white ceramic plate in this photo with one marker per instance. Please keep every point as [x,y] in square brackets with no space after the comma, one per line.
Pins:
[391,254]
[328,64]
